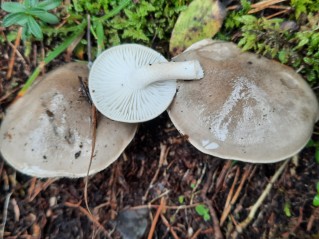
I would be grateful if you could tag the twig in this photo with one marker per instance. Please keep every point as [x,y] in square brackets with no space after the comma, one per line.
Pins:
[5,214]
[196,233]
[90,216]
[13,54]
[217,232]
[93,125]
[234,199]
[229,197]
[277,13]
[294,228]
[162,160]
[221,177]
[166,207]
[1,168]
[37,189]
[198,182]
[257,7]
[241,226]
[171,229]
[312,218]
[155,220]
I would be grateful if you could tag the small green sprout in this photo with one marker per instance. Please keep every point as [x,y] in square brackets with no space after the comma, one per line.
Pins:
[203,211]
[315,201]
[181,199]
[287,209]
[314,144]
[26,15]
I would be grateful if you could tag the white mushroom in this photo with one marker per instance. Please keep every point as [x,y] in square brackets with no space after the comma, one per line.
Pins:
[48,133]
[133,83]
[246,107]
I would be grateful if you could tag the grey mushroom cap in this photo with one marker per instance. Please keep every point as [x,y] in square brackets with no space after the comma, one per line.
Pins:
[246,108]
[48,132]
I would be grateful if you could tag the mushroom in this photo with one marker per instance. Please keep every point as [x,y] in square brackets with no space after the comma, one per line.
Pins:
[246,108]
[134,83]
[48,133]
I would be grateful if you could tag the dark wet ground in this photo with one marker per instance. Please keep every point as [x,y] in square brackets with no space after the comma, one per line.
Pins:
[56,209]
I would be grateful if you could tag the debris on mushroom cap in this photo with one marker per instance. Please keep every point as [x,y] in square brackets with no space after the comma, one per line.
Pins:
[134,83]
[48,132]
[246,108]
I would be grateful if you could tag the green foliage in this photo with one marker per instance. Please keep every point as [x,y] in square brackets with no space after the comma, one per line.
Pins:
[203,211]
[280,39]
[275,38]
[139,22]
[181,199]
[304,6]
[287,209]
[315,201]
[28,14]
[314,144]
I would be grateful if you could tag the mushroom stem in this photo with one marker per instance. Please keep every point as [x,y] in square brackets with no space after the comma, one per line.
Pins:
[187,70]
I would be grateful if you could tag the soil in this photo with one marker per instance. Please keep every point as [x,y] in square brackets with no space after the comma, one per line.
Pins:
[161,177]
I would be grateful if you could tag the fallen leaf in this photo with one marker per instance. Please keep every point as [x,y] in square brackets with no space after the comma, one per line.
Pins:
[202,19]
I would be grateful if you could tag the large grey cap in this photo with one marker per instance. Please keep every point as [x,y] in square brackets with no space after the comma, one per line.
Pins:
[246,108]
[48,132]
[134,83]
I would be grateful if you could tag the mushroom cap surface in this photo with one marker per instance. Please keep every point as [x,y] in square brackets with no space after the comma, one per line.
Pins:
[246,108]
[48,131]
[114,91]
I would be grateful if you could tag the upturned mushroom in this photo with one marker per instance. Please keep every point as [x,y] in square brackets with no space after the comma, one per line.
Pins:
[134,83]
[246,108]
[48,132]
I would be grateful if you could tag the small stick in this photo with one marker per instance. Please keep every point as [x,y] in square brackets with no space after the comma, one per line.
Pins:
[5,214]
[221,177]
[93,125]
[171,229]
[196,233]
[229,197]
[13,54]
[89,215]
[199,181]
[241,226]
[1,167]
[277,13]
[155,220]
[312,218]
[217,232]
[37,189]
[166,207]
[162,160]
[263,5]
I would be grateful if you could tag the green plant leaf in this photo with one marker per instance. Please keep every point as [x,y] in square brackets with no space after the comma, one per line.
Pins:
[181,199]
[202,19]
[100,37]
[44,16]
[18,18]
[287,208]
[203,211]
[49,4]
[315,201]
[34,28]
[13,7]
[317,187]
[30,3]
[317,155]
